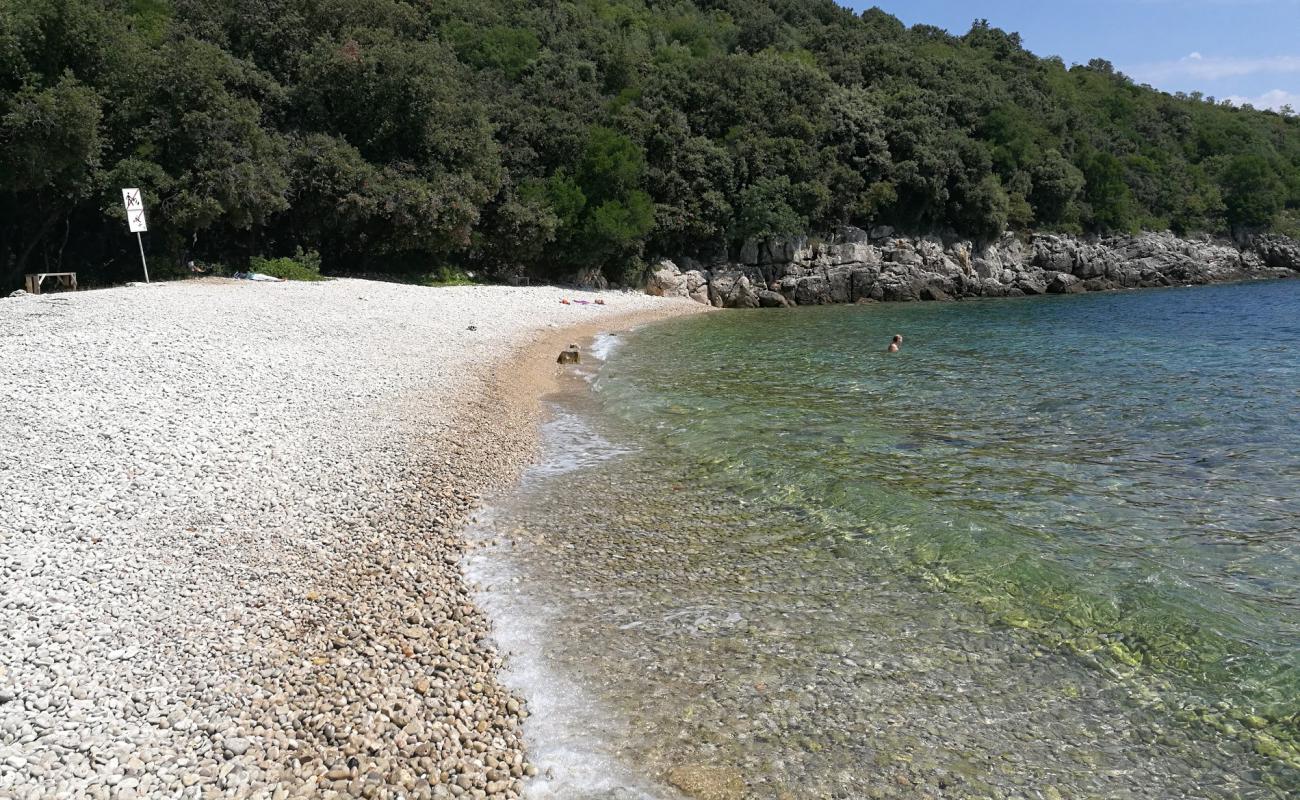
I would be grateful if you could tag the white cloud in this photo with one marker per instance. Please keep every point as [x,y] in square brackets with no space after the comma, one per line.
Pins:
[1211,68]
[1275,100]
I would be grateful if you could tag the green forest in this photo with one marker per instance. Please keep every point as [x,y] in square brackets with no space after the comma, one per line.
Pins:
[555,137]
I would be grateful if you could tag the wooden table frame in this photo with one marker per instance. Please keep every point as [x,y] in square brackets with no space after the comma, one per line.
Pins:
[67,280]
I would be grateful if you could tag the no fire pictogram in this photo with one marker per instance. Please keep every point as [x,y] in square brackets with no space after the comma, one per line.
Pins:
[134,210]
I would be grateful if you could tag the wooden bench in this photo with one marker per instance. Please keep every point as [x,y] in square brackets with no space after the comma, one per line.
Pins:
[66,280]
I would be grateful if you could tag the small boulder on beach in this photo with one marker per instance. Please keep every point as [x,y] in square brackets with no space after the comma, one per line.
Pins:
[570,355]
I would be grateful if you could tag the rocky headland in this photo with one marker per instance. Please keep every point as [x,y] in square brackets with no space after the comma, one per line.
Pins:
[854,265]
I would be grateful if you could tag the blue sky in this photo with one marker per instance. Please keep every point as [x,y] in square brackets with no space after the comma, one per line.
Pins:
[1245,50]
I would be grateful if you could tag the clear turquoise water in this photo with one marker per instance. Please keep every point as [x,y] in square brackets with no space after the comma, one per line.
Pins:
[1053,543]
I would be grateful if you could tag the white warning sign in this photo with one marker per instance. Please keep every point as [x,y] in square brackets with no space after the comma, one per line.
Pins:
[134,210]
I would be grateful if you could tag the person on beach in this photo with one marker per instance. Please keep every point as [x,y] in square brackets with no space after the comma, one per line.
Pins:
[896,344]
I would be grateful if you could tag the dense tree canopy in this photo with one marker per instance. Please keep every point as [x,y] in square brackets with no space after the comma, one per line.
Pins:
[555,135]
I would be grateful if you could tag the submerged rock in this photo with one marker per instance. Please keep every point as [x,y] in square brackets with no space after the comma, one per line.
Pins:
[708,783]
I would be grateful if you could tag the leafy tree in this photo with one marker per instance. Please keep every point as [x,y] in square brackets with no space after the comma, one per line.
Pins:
[691,179]
[518,136]
[984,208]
[1110,202]
[51,157]
[509,50]
[1056,184]
[612,165]
[1252,192]
[226,169]
[765,211]
[615,226]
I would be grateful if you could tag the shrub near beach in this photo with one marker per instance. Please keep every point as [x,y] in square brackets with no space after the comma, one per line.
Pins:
[301,267]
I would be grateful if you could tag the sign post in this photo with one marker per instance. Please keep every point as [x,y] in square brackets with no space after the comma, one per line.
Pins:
[135,221]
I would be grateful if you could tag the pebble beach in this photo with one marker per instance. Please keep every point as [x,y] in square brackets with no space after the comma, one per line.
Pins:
[230,534]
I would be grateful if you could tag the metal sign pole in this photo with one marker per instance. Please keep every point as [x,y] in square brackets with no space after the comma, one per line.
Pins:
[140,240]
[135,222]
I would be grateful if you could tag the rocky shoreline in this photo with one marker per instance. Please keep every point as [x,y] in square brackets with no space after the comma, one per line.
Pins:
[230,551]
[854,266]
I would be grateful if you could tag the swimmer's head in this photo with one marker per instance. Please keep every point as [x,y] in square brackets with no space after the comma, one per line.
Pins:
[898,338]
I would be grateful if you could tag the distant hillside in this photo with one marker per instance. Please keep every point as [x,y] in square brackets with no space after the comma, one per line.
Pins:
[548,137]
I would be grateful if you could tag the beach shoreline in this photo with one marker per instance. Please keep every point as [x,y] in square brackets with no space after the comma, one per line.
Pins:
[643,576]
[225,572]
[571,730]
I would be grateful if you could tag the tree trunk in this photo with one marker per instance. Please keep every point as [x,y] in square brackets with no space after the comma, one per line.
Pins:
[21,264]
[67,229]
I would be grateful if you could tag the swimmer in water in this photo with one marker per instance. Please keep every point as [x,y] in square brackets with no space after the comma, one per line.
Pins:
[895,345]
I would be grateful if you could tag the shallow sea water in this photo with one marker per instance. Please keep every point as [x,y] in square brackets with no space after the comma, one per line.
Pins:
[1049,550]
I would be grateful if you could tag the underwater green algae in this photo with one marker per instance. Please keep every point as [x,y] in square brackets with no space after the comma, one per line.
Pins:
[1049,551]
[1113,474]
